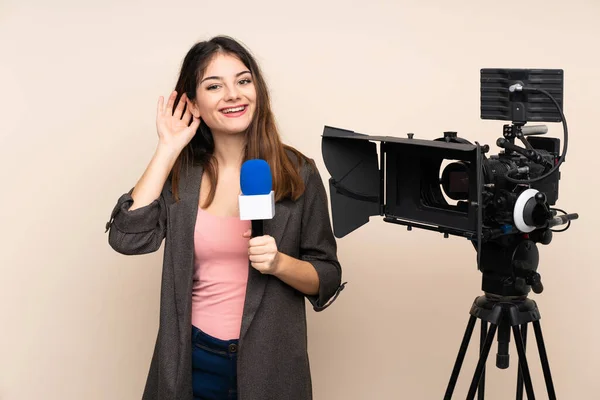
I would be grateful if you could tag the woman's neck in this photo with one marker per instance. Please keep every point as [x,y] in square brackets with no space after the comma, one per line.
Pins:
[229,149]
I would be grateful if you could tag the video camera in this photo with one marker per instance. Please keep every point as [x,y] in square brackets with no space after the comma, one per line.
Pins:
[501,203]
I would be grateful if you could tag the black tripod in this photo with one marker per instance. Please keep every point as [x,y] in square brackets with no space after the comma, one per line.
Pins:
[503,313]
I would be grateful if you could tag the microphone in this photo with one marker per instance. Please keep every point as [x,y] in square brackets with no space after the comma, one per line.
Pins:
[257,201]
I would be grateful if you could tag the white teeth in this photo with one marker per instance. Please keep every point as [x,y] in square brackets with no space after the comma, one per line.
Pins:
[230,110]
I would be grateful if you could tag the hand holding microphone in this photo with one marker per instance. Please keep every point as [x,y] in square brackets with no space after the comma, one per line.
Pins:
[257,203]
[263,253]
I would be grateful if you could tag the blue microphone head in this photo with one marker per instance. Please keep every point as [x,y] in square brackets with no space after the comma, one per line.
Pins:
[255,177]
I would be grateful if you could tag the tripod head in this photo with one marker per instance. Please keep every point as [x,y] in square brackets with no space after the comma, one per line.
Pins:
[510,268]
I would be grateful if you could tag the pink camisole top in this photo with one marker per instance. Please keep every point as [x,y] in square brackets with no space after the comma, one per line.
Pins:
[220,274]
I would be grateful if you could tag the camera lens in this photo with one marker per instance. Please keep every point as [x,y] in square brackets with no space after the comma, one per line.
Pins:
[455,181]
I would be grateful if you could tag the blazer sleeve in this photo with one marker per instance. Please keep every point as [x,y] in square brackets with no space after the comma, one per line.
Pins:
[317,243]
[139,231]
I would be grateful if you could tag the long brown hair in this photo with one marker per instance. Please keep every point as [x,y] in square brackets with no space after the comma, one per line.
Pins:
[262,137]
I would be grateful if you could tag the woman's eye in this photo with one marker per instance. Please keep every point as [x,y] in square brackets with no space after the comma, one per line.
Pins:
[212,87]
[245,81]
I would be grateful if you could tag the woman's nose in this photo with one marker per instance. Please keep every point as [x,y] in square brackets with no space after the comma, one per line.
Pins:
[232,93]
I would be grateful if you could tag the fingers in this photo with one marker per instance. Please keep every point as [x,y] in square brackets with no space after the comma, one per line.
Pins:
[261,241]
[262,245]
[187,116]
[180,105]
[262,258]
[259,250]
[261,267]
[170,103]
[160,105]
[195,124]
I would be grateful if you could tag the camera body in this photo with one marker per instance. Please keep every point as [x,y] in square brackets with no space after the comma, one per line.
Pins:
[501,203]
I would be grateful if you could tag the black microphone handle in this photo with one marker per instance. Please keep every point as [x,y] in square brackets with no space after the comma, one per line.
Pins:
[257,227]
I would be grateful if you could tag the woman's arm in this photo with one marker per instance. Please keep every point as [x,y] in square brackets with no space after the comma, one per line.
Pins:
[301,275]
[174,133]
[137,223]
[317,272]
[152,181]
[317,242]
[265,257]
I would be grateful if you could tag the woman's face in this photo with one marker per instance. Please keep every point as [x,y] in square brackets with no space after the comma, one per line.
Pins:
[225,96]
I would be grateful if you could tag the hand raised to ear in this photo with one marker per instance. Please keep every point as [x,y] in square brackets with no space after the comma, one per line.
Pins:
[175,127]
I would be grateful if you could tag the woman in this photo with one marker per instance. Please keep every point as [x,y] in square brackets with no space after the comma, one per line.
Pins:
[232,312]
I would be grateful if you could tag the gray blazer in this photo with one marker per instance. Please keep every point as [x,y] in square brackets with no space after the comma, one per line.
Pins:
[272,359]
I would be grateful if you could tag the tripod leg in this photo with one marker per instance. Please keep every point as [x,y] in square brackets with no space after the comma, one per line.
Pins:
[520,373]
[482,359]
[523,363]
[544,359]
[481,388]
[460,358]
[502,358]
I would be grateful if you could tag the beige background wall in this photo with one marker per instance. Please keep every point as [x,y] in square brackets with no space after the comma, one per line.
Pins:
[79,83]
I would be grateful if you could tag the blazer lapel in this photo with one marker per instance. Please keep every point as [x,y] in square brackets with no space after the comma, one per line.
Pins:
[257,281]
[183,218]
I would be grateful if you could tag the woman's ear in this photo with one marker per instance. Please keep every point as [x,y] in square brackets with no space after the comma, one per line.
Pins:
[193,108]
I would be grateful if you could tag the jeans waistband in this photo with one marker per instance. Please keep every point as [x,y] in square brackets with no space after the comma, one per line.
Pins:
[202,338]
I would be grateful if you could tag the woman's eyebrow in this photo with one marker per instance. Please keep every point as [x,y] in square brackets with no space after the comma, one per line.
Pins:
[221,78]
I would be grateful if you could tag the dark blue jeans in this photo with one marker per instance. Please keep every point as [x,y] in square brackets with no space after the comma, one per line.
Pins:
[214,374]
